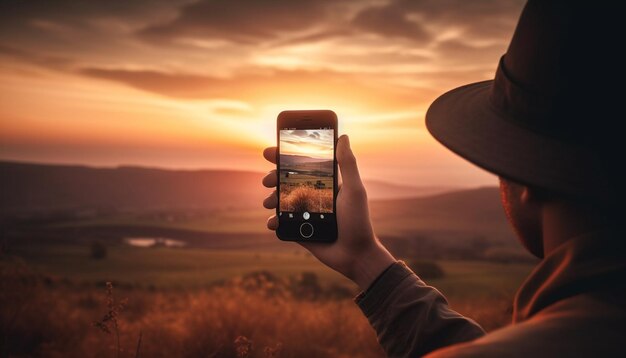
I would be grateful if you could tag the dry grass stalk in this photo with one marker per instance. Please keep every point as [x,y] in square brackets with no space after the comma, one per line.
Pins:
[243,346]
[306,198]
[111,317]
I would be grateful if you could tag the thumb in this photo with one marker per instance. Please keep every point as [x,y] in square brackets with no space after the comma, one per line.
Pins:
[347,164]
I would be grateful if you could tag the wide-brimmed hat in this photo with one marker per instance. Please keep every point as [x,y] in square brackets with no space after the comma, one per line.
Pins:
[551,116]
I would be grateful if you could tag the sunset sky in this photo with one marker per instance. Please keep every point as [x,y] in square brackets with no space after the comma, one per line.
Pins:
[199,83]
[313,143]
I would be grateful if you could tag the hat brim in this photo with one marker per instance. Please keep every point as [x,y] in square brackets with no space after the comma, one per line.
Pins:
[465,121]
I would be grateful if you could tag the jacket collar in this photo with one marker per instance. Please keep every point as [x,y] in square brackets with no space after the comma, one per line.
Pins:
[594,262]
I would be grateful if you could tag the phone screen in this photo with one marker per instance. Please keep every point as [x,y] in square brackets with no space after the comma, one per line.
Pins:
[306,172]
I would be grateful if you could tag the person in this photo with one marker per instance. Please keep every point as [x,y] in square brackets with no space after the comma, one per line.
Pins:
[548,126]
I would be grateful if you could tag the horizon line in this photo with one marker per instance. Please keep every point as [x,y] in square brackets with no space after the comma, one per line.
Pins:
[198,169]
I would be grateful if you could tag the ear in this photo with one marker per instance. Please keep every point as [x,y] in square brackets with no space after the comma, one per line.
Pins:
[526,196]
[531,199]
[533,196]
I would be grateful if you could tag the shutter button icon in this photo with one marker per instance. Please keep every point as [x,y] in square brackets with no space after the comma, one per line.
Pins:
[306,230]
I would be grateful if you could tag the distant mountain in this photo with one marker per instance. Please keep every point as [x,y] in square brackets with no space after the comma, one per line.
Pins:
[27,187]
[410,220]
[288,159]
[467,213]
[41,187]
[377,189]
[459,224]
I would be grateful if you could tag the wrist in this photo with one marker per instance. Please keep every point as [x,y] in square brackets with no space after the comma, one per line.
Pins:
[371,264]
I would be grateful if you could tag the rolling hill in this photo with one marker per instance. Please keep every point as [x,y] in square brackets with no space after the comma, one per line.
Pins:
[222,209]
[470,210]
[378,189]
[292,159]
[28,187]
[462,224]
[306,165]
[40,187]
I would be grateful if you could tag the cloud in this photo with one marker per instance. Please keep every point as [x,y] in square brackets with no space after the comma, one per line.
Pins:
[299,133]
[103,35]
[316,36]
[245,21]
[167,84]
[290,22]
[421,20]
[82,12]
[43,60]
[456,52]
[274,86]
[296,49]
[230,111]
[390,21]
[50,33]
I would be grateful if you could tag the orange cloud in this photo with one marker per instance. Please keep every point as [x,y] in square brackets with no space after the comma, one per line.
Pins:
[179,82]
[271,87]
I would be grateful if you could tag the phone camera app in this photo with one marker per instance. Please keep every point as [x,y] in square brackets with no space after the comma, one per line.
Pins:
[306,171]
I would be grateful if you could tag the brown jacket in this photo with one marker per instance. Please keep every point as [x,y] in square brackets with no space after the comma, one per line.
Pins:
[572,305]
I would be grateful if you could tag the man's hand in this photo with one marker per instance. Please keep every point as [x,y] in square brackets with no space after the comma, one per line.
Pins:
[357,253]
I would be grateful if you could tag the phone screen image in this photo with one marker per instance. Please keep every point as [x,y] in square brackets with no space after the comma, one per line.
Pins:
[306,172]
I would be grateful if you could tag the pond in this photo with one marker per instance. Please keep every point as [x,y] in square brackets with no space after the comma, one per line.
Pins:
[154,242]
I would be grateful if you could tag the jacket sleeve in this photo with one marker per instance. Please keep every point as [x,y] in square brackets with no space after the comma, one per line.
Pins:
[410,317]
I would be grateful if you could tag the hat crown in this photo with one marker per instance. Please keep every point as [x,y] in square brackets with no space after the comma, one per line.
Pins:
[552,117]
[562,59]
[558,44]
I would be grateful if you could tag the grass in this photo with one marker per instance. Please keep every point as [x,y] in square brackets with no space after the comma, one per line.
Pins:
[217,221]
[189,268]
[43,317]
[165,267]
[306,198]
[479,279]
[190,302]
[304,179]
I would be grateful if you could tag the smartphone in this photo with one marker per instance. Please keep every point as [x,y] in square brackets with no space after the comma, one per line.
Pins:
[307,176]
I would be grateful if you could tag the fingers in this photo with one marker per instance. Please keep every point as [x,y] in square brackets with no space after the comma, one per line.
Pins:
[269,181]
[271,201]
[272,222]
[347,164]
[270,154]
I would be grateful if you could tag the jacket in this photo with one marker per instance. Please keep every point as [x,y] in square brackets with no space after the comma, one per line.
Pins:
[573,304]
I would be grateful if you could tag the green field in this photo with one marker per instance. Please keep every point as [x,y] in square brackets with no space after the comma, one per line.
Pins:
[304,179]
[167,267]
[189,268]
[216,221]
[176,300]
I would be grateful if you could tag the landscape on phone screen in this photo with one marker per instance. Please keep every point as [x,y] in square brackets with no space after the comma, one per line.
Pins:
[306,170]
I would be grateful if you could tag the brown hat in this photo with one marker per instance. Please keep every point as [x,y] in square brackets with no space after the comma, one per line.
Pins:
[551,118]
